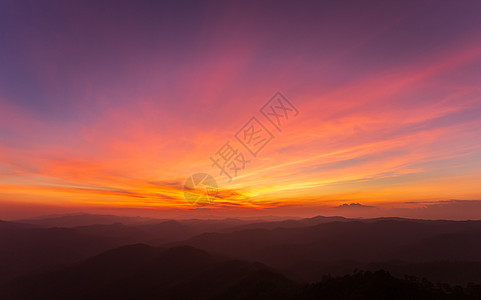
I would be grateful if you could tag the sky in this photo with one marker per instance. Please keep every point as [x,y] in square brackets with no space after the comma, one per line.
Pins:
[364,108]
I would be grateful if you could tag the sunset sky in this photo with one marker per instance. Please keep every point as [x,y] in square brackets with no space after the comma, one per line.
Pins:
[109,106]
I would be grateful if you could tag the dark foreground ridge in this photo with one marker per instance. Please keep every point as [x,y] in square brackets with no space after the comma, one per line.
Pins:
[144,272]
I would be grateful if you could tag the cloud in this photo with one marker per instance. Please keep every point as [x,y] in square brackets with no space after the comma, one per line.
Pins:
[354,206]
[447,209]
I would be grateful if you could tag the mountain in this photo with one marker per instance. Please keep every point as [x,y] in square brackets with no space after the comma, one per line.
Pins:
[303,249]
[143,272]
[26,248]
[161,232]
[290,223]
[83,219]
[372,241]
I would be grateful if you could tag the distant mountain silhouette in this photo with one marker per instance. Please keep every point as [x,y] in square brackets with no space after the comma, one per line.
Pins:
[356,240]
[83,219]
[288,223]
[161,232]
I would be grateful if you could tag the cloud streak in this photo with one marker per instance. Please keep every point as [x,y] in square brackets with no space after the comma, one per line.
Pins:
[387,115]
